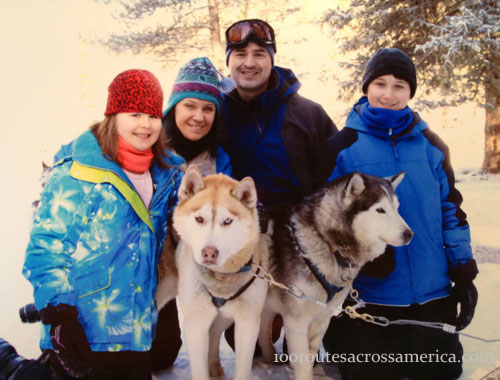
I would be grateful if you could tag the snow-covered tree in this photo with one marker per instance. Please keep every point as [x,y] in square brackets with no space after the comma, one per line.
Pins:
[170,28]
[455,45]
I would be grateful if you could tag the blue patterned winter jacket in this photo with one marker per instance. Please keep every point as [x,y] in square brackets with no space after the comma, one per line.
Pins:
[95,245]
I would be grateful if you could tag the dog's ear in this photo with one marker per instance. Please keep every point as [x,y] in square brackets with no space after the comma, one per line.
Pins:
[246,193]
[354,187]
[191,183]
[396,180]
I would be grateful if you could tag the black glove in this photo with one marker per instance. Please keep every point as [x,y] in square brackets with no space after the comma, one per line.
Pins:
[464,292]
[68,339]
[382,266]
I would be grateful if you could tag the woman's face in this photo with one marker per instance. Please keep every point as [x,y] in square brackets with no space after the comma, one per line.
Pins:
[194,117]
[138,129]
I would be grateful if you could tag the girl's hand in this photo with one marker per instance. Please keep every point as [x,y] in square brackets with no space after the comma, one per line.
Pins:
[68,339]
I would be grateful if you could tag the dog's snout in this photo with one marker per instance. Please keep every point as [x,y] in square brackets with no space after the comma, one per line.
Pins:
[407,235]
[209,255]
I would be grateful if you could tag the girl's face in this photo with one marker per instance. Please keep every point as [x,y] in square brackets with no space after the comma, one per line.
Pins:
[194,117]
[388,92]
[138,129]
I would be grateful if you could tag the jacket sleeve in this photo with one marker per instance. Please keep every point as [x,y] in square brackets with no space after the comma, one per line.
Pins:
[53,239]
[306,130]
[456,232]
[223,162]
[335,145]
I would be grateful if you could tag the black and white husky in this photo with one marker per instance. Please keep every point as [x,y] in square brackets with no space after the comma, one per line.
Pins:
[323,240]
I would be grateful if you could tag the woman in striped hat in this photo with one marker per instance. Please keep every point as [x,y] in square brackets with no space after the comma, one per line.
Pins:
[193,119]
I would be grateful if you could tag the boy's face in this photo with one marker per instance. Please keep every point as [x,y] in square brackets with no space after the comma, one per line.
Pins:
[388,92]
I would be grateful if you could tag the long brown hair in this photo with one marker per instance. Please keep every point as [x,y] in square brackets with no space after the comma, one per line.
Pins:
[107,138]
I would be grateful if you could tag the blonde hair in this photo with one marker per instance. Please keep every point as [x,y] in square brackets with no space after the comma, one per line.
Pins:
[107,138]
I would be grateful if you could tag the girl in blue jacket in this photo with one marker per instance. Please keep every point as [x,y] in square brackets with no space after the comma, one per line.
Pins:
[193,119]
[97,237]
[383,137]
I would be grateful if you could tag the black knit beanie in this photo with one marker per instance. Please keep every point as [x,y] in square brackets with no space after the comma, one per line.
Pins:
[390,61]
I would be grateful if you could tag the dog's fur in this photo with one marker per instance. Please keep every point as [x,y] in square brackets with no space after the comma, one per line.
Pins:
[217,222]
[355,215]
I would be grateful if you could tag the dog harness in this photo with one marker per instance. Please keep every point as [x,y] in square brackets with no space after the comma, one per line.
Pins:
[330,289]
[220,301]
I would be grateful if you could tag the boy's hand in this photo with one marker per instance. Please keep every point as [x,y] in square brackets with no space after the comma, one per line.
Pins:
[464,293]
[382,266]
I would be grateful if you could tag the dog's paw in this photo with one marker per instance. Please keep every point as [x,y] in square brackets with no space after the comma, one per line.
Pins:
[216,370]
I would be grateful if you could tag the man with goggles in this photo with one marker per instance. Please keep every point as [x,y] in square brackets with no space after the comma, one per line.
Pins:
[274,135]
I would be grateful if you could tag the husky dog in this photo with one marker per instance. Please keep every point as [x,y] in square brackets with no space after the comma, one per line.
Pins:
[323,240]
[217,222]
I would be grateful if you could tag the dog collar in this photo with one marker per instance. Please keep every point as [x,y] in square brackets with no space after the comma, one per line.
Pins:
[341,260]
[246,267]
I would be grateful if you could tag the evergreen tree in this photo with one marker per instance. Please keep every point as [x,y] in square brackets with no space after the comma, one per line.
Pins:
[455,45]
[193,26]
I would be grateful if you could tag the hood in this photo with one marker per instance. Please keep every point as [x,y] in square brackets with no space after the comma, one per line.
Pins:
[354,121]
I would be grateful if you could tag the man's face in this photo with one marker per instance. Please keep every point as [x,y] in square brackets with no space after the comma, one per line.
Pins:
[250,68]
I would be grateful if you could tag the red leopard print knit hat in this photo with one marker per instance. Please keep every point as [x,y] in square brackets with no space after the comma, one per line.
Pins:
[135,91]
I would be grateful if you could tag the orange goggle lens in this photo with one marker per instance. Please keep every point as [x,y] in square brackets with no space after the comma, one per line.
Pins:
[240,32]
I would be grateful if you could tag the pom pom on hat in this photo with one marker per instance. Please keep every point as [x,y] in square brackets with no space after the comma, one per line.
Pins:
[199,79]
[390,61]
[135,91]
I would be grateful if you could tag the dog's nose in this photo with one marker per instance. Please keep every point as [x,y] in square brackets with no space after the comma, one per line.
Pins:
[209,255]
[407,236]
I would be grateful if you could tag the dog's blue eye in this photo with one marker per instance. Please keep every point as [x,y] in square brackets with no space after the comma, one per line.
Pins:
[380,210]
[199,219]
[227,222]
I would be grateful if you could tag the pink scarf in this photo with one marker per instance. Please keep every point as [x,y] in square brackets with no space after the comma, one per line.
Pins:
[133,160]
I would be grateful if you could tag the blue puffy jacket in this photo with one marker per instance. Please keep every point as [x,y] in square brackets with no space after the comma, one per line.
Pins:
[429,203]
[95,245]
[279,140]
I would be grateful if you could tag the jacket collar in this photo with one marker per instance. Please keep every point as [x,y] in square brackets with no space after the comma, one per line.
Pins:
[283,83]
[354,121]
[86,151]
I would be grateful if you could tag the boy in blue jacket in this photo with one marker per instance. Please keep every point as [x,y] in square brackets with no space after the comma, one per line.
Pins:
[426,279]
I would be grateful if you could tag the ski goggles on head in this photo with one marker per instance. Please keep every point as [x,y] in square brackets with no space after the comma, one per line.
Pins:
[242,31]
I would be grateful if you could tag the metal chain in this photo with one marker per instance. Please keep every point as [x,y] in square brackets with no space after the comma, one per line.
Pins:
[292,289]
[351,311]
